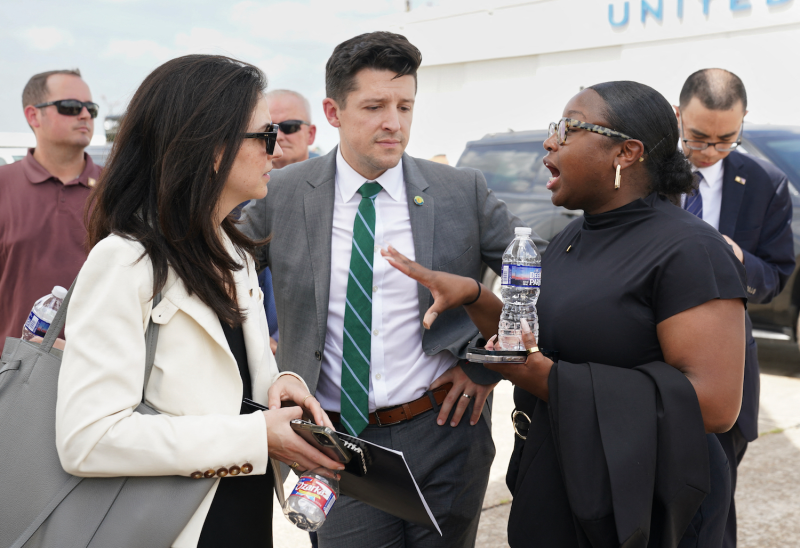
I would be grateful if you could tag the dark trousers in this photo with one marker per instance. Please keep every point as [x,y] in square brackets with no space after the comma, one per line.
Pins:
[707,528]
[734,444]
[451,467]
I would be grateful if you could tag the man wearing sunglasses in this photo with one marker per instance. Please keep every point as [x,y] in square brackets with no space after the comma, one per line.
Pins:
[292,113]
[291,118]
[42,197]
[748,201]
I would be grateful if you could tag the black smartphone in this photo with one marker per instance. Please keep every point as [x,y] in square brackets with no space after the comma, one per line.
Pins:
[322,438]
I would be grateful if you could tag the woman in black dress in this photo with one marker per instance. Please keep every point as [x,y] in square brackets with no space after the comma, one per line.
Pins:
[642,315]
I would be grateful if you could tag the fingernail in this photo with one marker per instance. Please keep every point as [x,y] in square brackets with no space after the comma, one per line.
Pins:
[471,423]
[525,327]
[453,423]
[492,339]
[440,422]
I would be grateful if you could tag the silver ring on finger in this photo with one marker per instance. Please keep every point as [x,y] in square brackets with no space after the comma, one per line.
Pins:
[466,396]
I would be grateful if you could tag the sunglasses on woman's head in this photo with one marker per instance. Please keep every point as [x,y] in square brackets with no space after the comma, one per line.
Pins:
[270,137]
[291,126]
[72,107]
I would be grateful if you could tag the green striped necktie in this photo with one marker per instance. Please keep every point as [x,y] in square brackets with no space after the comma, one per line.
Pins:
[357,339]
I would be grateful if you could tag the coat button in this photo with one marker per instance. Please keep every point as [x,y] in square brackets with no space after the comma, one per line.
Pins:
[209,473]
[247,468]
[222,472]
[318,355]
[197,475]
[234,470]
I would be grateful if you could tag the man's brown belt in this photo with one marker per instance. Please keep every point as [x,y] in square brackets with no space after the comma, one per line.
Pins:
[407,411]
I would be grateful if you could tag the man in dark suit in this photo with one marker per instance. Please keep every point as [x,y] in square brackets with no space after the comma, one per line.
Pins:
[747,200]
[351,324]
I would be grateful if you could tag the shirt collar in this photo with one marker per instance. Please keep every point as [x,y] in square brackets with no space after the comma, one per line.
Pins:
[712,175]
[36,173]
[349,181]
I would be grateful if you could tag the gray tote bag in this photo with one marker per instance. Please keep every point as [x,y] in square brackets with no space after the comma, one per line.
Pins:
[41,506]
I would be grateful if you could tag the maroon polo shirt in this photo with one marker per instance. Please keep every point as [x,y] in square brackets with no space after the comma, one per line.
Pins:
[42,236]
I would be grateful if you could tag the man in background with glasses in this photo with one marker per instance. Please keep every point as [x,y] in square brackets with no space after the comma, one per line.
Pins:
[292,113]
[42,196]
[748,201]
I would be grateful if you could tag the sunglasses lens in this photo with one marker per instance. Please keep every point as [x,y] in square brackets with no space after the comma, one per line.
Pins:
[290,127]
[272,138]
[69,107]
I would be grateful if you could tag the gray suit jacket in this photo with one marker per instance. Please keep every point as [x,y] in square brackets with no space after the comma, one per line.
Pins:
[460,225]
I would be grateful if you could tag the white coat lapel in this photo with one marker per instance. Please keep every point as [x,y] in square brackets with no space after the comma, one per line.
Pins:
[254,327]
[174,296]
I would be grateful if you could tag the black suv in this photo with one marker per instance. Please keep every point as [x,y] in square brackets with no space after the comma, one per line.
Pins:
[512,165]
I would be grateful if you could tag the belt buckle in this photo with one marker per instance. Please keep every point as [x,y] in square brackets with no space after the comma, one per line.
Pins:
[380,424]
[516,413]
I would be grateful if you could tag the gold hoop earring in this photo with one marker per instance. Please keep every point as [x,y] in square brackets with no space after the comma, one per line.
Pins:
[616,179]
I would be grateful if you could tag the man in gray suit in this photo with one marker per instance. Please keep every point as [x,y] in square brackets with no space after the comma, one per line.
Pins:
[351,324]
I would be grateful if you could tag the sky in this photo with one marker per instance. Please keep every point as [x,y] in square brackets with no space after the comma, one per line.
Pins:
[116,43]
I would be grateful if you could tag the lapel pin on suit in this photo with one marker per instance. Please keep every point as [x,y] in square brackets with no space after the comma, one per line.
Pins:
[740,180]
[418,200]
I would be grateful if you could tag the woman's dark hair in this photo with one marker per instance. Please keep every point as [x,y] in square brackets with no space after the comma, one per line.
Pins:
[159,186]
[643,113]
[375,50]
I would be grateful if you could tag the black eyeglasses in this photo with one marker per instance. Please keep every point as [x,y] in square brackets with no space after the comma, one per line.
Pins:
[560,129]
[72,107]
[291,126]
[721,146]
[270,137]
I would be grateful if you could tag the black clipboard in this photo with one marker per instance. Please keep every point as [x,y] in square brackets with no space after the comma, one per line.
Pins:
[380,477]
[387,485]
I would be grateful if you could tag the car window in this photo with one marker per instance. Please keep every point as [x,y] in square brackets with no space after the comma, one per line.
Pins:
[510,168]
[2,162]
[788,150]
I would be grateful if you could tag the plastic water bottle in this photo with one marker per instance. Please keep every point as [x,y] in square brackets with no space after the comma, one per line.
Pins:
[43,313]
[311,499]
[521,280]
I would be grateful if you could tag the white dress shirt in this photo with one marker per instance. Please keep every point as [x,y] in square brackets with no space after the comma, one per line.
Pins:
[400,371]
[711,191]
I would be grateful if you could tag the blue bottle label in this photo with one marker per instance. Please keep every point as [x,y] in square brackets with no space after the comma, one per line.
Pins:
[36,325]
[522,276]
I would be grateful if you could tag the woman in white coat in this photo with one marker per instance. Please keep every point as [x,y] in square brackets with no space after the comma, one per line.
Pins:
[196,141]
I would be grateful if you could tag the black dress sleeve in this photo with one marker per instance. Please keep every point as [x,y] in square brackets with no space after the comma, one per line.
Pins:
[697,268]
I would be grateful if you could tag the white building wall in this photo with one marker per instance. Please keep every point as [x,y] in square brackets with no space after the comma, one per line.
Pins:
[465,93]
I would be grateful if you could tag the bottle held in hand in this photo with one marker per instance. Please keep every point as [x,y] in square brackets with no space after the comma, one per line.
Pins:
[521,279]
[43,314]
[311,499]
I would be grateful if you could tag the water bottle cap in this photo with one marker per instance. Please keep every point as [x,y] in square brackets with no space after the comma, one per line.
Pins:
[59,292]
[522,230]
